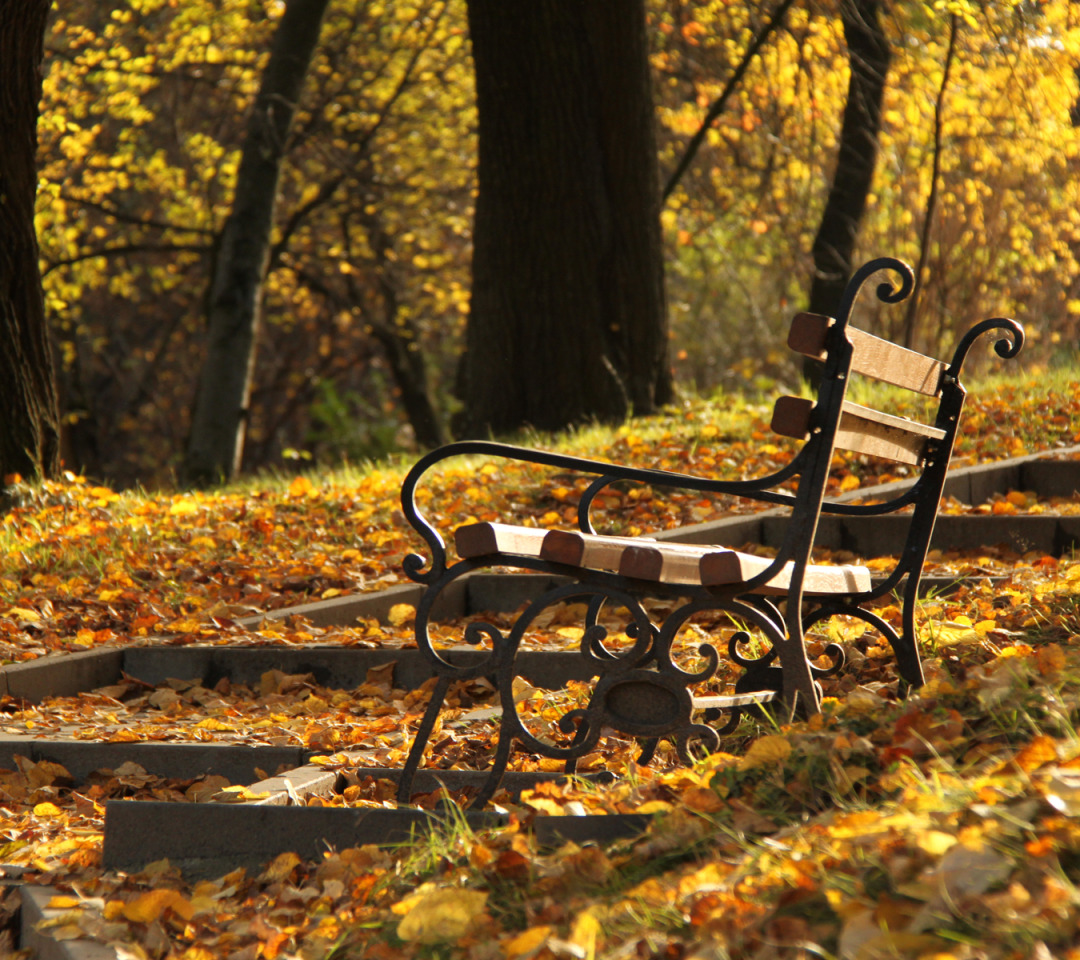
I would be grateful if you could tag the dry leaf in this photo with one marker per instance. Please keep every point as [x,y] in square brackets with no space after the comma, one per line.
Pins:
[400,614]
[526,944]
[443,914]
[767,751]
[149,906]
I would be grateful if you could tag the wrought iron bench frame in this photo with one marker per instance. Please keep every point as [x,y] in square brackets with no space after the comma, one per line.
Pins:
[641,691]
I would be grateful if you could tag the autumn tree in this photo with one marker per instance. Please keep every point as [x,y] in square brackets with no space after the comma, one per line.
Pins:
[366,286]
[29,422]
[219,418]
[568,319]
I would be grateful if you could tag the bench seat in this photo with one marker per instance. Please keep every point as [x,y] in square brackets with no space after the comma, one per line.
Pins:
[646,559]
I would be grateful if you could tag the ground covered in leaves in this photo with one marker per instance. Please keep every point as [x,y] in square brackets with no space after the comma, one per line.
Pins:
[943,825]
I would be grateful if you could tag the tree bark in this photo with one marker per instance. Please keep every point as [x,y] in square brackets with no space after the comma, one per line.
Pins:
[834,245]
[219,420]
[567,319]
[29,420]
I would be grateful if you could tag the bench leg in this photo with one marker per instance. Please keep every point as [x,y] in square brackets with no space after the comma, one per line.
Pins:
[420,741]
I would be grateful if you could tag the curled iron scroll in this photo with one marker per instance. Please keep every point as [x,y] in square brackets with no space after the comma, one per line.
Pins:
[886,292]
[1006,348]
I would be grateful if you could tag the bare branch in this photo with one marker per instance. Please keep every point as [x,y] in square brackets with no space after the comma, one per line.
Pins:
[720,102]
[124,249]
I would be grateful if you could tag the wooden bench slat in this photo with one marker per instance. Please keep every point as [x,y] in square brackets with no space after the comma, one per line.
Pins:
[717,566]
[861,430]
[645,559]
[732,700]
[480,539]
[873,357]
[592,551]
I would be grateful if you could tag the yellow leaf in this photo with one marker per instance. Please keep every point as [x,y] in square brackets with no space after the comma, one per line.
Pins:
[280,867]
[709,877]
[955,631]
[584,933]
[523,690]
[766,752]
[336,760]
[544,805]
[23,613]
[935,842]
[654,806]
[850,482]
[47,809]
[183,508]
[526,944]
[63,903]
[238,795]
[400,614]
[652,891]
[444,914]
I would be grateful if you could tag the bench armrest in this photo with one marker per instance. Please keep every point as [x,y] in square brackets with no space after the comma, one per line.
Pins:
[760,488]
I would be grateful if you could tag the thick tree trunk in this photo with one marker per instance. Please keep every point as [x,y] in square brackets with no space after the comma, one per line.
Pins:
[568,317]
[29,422]
[220,415]
[834,245]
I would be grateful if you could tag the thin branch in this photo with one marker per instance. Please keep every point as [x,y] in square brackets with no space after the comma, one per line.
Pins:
[124,250]
[720,102]
[331,185]
[935,173]
[116,214]
[325,192]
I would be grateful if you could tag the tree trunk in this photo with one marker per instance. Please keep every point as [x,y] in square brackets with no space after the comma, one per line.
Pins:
[568,317]
[29,421]
[220,416]
[834,245]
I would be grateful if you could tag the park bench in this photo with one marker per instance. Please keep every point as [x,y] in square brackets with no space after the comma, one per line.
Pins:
[640,690]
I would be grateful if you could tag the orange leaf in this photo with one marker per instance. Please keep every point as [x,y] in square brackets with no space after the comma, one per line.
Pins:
[149,906]
[1049,659]
[300,487]
[1040,751]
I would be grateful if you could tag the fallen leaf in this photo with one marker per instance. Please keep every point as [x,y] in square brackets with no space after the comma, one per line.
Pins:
[527,944]
[767,751]
[443,914]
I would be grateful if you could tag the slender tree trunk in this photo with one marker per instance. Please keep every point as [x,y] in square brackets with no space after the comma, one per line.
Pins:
[220,416]
[834,245]
[568,317]
[29,421]
[911,314]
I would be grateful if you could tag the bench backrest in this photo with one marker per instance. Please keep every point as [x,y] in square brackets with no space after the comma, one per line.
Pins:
[834,421]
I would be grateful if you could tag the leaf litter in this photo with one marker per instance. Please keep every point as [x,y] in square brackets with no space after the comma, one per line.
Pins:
[943,825]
